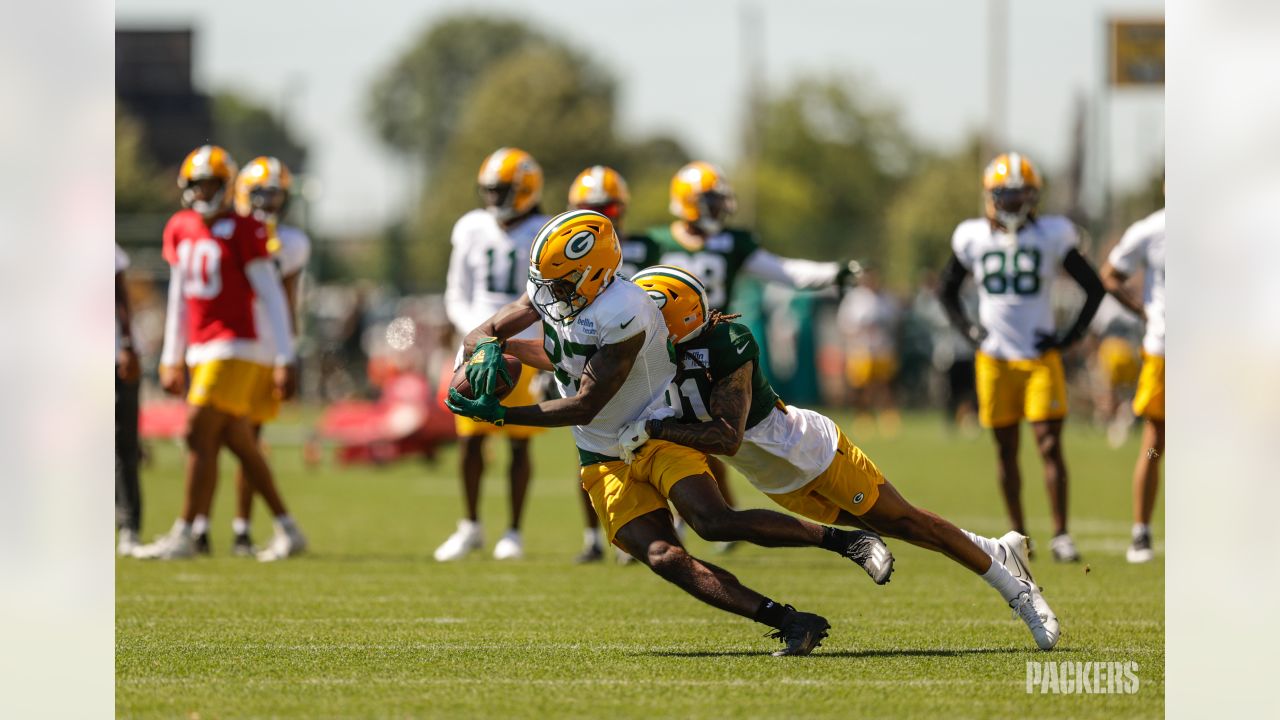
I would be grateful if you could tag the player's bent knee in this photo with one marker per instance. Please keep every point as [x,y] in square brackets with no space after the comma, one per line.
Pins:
[664,558]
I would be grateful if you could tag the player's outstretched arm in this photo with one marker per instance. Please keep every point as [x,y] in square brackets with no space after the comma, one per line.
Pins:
[953,276]
[603,375]
[722,434]
[513,318]
[796,272]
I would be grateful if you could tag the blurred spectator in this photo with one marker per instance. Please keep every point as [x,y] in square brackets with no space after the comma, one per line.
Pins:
[128,374]
[869,318]
[952,354]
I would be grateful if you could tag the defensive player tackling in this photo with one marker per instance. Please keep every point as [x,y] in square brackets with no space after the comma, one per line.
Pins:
[800,458]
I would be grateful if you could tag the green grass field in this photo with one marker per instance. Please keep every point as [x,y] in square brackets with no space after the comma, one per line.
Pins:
[368,625]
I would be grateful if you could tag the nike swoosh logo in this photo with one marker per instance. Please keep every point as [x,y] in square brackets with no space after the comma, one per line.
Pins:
[1024,573]
[743,348]
[625,324]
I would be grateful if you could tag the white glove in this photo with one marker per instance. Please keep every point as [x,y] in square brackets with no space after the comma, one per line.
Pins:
[631,437]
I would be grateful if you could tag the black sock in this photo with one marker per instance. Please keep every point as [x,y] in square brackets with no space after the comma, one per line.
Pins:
[834,539]
[771,613]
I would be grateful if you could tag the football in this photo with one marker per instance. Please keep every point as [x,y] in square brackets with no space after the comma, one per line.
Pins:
[514,367]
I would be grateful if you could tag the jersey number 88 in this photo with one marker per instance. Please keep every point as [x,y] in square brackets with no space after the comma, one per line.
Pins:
[1025,278]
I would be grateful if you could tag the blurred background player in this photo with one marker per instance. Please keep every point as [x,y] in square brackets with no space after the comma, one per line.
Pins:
[698,240]
[128,373]
[262,192]
[1015,256]
[1142,247]
[488,267]
[219,262]
[1115,336]
[869,316]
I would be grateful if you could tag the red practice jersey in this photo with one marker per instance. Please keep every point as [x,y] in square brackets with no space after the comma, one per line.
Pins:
[211,259]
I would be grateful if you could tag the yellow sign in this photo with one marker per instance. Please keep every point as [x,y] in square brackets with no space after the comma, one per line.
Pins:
[1137,52]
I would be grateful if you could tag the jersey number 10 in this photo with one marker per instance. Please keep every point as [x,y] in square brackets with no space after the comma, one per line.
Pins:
[200,264]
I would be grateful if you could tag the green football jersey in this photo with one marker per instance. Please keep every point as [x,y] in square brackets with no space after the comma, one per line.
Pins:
[717,264]
[715,355]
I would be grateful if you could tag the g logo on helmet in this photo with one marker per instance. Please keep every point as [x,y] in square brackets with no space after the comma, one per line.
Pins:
[658,298]
[858,498]
[580,245]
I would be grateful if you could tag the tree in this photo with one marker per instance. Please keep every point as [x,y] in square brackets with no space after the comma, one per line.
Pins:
[547,101]
[247,130]
[416,103]
[830,162]
[141,187]
[920,220]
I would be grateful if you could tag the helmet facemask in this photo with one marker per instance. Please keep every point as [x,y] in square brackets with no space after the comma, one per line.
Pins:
[499,200]
[268,202]
[559,297]
[713,208]
[197,196]
[1013,205]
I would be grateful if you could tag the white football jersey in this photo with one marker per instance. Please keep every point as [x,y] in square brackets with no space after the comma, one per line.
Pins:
[488,267]
[618,313]
[785,451]
[1014,276]
[290,251]
[1143,246]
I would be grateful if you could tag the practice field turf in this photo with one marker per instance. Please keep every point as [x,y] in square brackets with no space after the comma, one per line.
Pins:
[368,625]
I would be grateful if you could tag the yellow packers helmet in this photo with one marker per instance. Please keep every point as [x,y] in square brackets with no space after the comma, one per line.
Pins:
[701,196]
[262,188]
[1011,189]
[601,189]
[207,163]
[681,297]
[510,183]
[574,257]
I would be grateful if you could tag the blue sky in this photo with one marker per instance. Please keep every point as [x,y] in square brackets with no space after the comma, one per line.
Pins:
[681,71]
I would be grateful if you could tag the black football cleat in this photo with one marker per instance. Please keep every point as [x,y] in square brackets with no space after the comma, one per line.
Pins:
[801,633]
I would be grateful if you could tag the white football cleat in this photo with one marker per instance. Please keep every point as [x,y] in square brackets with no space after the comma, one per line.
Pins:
[1024,607]
[465,539]
[286,543]
[509,546]
[128,543]
[174,546]
[1140,550]
[1064,548]
[1015,550]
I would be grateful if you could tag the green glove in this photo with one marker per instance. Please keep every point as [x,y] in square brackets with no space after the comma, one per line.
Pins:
[486,409]
[486,366]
